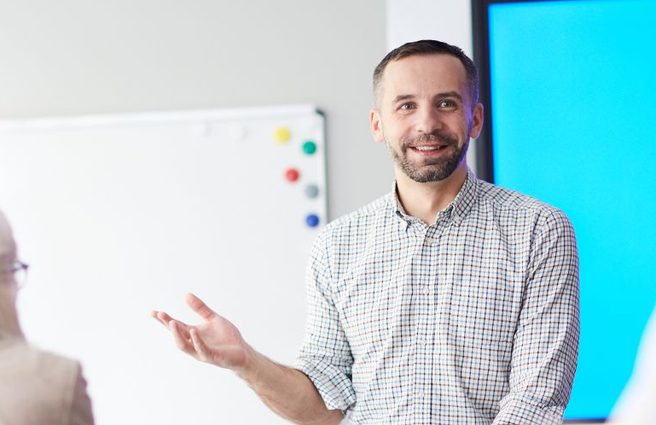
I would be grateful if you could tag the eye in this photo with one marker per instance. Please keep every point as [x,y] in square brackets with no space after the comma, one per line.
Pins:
[447,104]
[406,106]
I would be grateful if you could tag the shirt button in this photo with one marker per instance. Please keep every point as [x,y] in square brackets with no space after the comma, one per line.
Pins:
[430,241]
[426,290]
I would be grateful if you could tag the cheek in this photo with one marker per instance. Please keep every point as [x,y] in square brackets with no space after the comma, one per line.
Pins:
[398,129]
[461,125]
[12,291]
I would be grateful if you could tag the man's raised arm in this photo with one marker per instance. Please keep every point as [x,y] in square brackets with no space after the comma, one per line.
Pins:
[285,390]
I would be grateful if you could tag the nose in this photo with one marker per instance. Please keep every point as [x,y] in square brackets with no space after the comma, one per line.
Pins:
[428,121]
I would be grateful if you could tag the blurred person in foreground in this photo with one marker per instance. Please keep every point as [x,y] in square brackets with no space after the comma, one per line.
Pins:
[637,406]
[36,387]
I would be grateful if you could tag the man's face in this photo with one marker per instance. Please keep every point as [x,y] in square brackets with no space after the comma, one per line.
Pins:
[425,115]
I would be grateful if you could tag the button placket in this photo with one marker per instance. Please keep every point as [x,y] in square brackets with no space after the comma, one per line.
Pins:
[427,239]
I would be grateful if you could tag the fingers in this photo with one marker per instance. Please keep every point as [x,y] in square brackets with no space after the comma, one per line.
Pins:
[199,346]
[165,319]
[186,337]
[181,338]
[161,317]
[200,307]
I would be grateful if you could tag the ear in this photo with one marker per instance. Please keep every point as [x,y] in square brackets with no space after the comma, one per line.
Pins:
[376,126]
[477,121]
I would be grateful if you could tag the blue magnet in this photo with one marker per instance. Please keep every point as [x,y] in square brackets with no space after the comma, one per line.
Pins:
[312,220]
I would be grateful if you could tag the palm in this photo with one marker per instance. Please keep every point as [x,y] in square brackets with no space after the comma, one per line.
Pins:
[224,342]
[215,340]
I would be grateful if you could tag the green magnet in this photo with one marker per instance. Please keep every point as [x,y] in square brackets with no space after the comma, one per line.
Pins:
[309,147]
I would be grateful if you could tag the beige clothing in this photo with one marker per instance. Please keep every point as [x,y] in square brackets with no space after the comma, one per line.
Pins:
[40,388]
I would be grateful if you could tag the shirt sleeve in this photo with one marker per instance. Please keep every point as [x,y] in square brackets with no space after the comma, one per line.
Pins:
[546,341]
[325,356]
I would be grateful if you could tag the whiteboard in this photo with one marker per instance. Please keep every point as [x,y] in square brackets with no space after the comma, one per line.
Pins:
[118,215]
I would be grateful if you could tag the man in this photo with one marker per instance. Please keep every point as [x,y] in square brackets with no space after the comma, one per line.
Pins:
[448,301]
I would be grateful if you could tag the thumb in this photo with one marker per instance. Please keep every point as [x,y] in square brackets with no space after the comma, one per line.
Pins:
[199,307]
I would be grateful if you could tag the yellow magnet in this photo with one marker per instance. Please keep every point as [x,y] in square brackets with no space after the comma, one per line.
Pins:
[282,135]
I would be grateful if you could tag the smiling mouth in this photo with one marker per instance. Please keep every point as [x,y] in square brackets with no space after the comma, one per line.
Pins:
[428,148]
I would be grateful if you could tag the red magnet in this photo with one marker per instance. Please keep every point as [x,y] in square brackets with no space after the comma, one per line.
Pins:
[292,175]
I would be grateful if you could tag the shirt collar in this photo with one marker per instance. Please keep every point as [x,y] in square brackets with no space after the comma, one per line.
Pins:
[455,211]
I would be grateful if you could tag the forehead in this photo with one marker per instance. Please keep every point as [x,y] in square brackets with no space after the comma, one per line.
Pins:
[424,75]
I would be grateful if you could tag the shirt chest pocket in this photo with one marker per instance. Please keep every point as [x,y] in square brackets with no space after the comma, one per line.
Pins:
[482,321]
[369,304]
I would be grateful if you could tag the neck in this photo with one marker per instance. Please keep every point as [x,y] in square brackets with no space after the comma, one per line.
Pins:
[425,200]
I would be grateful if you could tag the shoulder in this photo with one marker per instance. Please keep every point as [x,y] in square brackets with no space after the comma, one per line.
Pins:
[24,355]
[365,215]
[51,365]
[361,219]
[514,207]
[40,369]
[500,198]
[50,380]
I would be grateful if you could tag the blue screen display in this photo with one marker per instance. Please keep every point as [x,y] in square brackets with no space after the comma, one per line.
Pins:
[573,95]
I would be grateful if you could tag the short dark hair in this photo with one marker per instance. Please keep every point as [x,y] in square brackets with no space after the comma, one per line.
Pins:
[430,47]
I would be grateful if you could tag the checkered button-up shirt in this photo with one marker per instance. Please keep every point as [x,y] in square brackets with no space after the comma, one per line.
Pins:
[471,320]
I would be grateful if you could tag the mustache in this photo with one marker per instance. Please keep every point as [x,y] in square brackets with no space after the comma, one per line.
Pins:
[433,137]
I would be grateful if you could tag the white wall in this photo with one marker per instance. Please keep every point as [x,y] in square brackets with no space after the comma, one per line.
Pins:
[74,57]
[445,20]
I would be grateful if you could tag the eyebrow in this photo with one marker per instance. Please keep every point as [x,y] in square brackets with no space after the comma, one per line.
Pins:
[450,94]
[403,97]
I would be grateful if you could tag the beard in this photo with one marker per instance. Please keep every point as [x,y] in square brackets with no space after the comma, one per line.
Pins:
[430,169]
